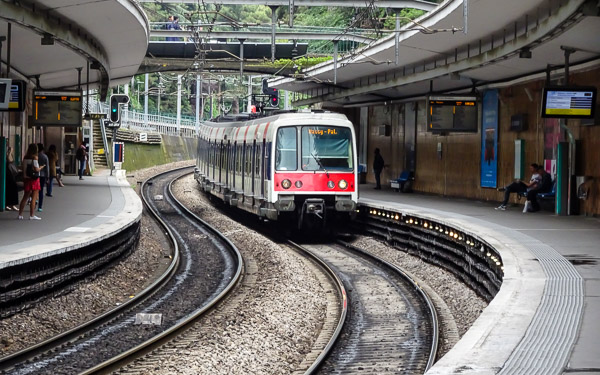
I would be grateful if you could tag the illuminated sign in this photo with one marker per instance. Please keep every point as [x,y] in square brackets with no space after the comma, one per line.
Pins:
[57,108]
[452,114]
[327,131]
[16,97]
[569,102]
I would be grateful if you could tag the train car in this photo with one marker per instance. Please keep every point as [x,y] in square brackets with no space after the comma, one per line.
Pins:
[298,166]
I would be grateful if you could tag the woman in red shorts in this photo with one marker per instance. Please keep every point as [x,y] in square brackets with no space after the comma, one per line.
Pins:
[31,183]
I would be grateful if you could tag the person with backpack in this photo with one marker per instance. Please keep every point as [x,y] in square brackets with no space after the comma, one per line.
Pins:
[81,156]
[31,181]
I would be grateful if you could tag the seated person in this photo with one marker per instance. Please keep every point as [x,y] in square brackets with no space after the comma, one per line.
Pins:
[544,186]
[521,186]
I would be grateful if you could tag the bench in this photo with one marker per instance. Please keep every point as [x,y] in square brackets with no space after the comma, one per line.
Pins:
[403,183]
[542,197]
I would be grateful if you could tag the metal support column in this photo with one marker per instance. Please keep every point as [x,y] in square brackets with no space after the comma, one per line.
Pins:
[335,59]
[249,109]
[241,57]
[273,24]
[2,173]
[397,39]
[178,103]
[465,16]
[146,99]
[210,98]
[198,94]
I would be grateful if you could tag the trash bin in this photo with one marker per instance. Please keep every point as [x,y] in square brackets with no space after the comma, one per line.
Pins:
[362,174]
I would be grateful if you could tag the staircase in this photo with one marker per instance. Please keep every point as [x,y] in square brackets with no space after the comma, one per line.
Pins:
[99,147]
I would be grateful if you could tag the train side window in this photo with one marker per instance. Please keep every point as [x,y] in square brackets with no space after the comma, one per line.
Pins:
[286,149]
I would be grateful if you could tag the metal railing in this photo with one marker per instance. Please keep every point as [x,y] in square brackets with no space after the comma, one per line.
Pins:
[150,122]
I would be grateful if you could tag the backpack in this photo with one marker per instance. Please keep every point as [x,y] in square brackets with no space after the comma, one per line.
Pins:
[79,154]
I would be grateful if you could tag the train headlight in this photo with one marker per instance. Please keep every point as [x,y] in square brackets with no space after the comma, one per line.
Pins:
[330,184]
[286,184]
[298,184]
[343,184]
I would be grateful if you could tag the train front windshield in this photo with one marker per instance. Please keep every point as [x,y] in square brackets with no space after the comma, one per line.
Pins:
[326,148]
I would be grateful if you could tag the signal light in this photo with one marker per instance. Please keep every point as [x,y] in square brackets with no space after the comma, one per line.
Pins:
[115,100]
[274,100]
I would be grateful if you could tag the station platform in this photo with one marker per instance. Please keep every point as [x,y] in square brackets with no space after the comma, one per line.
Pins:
[545,315]
[78,214]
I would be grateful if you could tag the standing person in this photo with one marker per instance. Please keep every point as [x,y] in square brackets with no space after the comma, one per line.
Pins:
[12,191]
[81,155]
[31,182]
[52,159]
[170,26]
[44,174]
[377,168]
[519,186]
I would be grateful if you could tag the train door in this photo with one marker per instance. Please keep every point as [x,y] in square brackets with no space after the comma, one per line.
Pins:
[243,167]
[213,157]
[234,165]
[263,169]
[227,164]
[253,166]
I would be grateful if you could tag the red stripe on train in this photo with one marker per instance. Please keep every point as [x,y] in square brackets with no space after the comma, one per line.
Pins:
[314,181]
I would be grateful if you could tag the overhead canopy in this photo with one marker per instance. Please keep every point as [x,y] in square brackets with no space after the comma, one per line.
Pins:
[444,61]
[51,39]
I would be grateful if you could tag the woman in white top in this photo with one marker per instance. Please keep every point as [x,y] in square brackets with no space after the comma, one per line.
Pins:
[31,184]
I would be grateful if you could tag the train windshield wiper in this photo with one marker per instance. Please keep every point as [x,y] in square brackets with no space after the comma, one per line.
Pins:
[320,164]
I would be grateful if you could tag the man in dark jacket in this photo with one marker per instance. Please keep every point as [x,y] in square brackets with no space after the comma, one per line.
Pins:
[377,168]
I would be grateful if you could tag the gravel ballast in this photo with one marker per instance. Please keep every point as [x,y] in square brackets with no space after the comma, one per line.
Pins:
[277,321]
[94,296]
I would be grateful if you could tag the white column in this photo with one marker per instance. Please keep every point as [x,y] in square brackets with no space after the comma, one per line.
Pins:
[178,102]
[126,107]
[249,94]
[146,99]
[198,94]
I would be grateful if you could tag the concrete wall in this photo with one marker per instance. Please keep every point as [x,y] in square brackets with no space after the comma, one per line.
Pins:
[457,172]
[139,156]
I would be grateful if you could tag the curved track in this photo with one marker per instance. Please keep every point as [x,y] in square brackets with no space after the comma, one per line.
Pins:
[390,326]
[206,268]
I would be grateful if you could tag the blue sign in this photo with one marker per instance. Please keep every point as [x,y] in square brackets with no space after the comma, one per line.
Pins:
[489,139]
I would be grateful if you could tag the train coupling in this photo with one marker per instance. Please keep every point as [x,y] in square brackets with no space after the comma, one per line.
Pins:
[314,206]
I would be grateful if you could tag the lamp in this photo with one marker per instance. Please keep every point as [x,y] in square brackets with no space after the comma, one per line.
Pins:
[525,53]
[47,40]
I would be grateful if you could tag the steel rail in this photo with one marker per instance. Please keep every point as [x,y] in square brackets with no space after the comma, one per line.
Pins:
[342,319]
[164,337]
[53,342]
[434,318]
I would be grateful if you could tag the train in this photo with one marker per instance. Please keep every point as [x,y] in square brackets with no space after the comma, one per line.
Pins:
[298,166]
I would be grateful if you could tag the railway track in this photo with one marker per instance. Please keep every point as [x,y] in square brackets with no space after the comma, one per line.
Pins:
[205,268]
[391,325]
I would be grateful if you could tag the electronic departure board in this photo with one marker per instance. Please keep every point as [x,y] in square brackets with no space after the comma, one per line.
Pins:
[569,102]
[452,114]
[57,108]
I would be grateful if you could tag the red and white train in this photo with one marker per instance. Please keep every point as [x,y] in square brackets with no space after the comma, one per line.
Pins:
[299,166]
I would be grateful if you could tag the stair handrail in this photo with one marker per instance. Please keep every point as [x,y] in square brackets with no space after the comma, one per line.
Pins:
[107,149]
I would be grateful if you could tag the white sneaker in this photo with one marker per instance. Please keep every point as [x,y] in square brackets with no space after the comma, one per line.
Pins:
[19,217]
[526,208]
[34,218]
[501,208]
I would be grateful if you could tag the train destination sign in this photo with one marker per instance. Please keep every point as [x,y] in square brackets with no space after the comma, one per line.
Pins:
[57,108]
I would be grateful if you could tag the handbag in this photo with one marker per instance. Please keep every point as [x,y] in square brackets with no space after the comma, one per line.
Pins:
[30,172]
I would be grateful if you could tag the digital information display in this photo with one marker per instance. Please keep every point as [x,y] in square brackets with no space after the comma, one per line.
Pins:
[452,113]
[569,102]
[17,96]
[57,108]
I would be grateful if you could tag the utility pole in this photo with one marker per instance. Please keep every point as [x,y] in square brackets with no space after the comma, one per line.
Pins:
[146,99]
[178,102]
